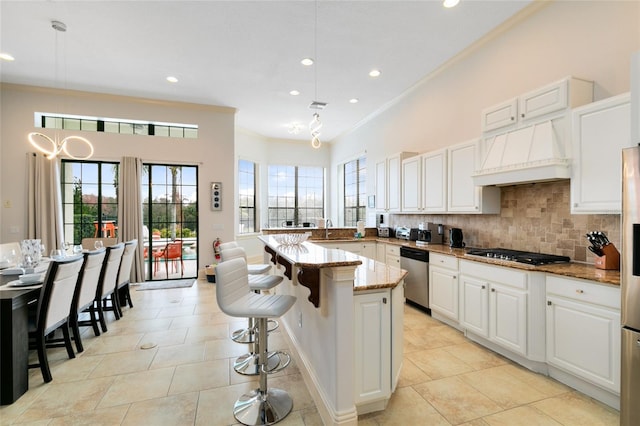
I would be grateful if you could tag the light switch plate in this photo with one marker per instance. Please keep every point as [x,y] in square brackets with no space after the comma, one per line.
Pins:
[216,196]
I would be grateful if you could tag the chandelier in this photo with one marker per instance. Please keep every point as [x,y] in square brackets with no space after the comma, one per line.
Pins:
[43,143]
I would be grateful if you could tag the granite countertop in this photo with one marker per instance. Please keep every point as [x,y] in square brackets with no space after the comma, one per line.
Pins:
[572,269]
[369,275]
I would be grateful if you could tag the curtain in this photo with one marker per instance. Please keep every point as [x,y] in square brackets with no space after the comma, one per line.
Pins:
[130,211]
[44,201]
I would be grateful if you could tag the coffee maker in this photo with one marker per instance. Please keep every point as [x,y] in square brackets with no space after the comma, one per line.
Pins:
[456,238]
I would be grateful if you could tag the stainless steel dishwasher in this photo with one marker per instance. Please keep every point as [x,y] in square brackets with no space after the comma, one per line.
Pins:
[416,262]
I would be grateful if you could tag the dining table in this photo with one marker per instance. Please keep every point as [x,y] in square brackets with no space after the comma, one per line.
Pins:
[14,337]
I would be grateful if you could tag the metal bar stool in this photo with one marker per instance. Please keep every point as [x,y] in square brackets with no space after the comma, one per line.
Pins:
[261,406]
[248,364]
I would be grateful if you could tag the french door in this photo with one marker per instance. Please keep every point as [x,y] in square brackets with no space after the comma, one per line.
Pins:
[170,218]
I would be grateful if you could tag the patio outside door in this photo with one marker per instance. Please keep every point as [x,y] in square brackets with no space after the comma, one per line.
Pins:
[170,217]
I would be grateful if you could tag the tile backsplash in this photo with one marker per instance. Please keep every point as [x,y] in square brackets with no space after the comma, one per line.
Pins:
[533,217]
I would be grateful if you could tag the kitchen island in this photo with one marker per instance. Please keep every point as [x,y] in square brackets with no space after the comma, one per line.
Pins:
[345,330]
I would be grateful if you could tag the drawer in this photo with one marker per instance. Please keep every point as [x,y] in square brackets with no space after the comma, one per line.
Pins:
[393,250]
[584,291]
[443,261]
[495,274]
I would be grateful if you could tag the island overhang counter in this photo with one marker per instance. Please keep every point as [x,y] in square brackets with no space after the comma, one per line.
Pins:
[345,331]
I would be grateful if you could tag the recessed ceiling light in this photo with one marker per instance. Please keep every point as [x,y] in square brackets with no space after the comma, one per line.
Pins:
[353,100]
[294,93]
[374,73]
[172,79]
[7,57]
[450,3]
[307,62]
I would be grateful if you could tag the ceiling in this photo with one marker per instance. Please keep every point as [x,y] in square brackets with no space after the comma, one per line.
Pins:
[244,54]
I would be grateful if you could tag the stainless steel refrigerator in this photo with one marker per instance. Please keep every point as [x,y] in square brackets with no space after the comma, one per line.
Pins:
[630,288]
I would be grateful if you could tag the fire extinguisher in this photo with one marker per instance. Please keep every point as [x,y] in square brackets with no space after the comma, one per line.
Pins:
[216,249]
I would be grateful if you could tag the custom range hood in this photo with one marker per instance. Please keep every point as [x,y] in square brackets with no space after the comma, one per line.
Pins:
[536,153]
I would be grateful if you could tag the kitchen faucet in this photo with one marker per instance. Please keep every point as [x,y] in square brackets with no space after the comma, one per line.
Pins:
[327,224]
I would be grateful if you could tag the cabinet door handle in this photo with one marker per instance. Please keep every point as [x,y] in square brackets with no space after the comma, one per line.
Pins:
[548,302]
[579,291]
[384,300]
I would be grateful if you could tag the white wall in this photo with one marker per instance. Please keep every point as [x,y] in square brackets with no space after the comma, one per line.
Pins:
[588,39]
[212,152]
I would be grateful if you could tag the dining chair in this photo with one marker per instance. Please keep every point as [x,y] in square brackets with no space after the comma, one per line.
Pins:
[85,294]
[173,252]
[107,282]
[121,295]
[53,310]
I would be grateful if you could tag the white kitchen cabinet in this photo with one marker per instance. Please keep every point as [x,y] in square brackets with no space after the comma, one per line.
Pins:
[372,346]
[368,250]
[381,185]
[381,252]
[554,98]
[583,330]
[499,305]
[389,182]
[600,131]
[434,181]
[463,196]
[474,305]
[508,317]
[501,115]
[392,255]
[443,285]
[411,185]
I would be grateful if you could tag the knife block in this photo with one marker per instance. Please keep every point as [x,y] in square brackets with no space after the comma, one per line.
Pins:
[610,259]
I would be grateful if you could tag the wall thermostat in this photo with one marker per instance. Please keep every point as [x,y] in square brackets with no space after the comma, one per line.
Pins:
[216,196]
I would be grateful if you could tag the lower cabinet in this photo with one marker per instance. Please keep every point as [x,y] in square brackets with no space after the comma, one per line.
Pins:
[443,286]
[392,255]
[495,304]
[583,330]
[378,332]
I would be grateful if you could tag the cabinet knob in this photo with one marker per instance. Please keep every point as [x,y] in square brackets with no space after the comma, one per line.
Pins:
[579,291]
[454,277]
[384,300]
[493,290]
[483,287]
[512,118]
[548,302]
[522,115]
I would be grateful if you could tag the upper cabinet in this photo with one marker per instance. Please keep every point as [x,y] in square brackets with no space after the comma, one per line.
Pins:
[434,181]
[463,196]
[411,184]
[600,131]
[555,97]
[389,182]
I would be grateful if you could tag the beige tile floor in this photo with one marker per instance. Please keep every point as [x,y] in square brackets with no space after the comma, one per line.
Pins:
[187,378]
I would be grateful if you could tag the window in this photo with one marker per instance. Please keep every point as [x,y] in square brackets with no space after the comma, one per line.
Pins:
[89,200]
[115,125]
[355,188]
[296,194]
[247,196]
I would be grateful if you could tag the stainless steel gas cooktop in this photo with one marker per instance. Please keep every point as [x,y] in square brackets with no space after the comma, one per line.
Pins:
[529,258]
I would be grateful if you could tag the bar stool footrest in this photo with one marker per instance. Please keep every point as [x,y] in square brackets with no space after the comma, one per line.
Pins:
[258,408]
[249,364]
[285,360]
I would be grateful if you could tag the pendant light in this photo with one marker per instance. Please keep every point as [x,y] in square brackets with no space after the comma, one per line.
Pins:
[44,143]
[315,125]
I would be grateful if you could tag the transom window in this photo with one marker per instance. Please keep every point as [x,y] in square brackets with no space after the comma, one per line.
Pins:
[295,194]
